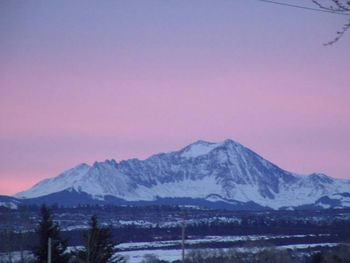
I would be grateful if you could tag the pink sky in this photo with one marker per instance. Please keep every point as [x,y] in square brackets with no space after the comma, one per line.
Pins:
[122,79]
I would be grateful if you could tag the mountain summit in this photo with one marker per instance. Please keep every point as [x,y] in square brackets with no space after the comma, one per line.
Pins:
[202,173]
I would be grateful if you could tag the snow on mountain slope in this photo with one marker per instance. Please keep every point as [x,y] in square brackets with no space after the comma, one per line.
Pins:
[8,202]
[198,149]
[98,180]
[47,186]
[226,170]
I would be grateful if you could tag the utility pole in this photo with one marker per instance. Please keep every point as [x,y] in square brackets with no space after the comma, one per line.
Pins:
[183,235]
[88,247]
[49,250]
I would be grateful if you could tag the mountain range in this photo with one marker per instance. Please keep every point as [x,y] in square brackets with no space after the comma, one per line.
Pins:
[213,175]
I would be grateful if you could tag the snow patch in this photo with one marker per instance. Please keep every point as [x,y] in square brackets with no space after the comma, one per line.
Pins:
[199,148]
[10,205]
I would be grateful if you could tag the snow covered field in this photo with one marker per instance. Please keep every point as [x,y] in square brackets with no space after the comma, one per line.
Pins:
[175,254]
[136,256]
[205,240]
[135,252]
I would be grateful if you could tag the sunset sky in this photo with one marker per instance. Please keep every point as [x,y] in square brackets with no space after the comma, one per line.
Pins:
[92,80]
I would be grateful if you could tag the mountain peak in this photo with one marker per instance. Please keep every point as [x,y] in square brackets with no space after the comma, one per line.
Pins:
[231,142]
[110,162]
[320,178]
[202,147]
[226,169]
[199,148]
[201,142]
[82,166]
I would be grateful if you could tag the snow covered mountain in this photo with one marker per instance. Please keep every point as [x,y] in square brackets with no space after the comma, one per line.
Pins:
[9,202]
[214,173]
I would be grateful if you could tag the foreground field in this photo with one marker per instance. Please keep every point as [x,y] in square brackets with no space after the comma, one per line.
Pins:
[156,230]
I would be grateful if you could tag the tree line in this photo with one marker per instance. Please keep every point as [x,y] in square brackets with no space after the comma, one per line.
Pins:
[98,245]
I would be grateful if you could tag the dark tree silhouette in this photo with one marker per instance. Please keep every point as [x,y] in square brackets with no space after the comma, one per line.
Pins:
[339,7]
[45,230]
[99,246]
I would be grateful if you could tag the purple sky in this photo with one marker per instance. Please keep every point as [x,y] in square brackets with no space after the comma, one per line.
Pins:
[88,80]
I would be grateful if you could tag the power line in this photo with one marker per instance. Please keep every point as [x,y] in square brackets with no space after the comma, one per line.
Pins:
[304,7]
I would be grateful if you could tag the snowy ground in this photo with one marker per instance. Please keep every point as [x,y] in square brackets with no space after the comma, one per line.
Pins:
[14,256]
[175,254]
[137,256]
[136,251]
[205,240]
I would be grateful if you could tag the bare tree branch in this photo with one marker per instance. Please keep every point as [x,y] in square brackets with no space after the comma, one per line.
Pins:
[339,34]
[341,6]
[336,6]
